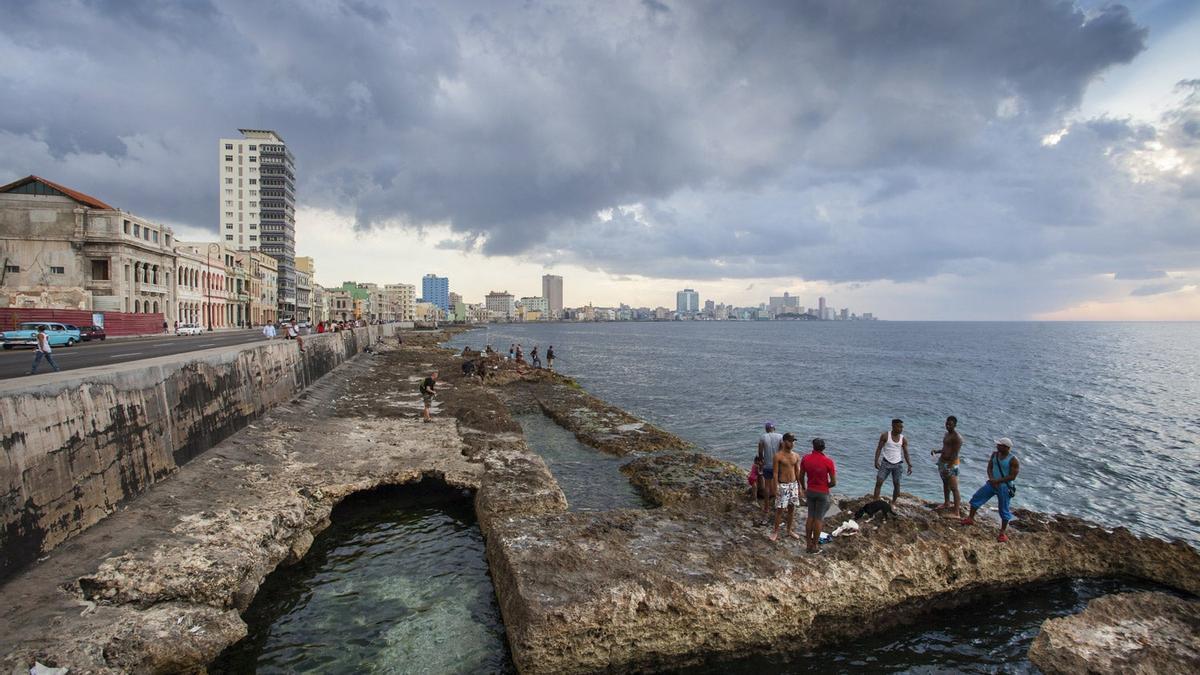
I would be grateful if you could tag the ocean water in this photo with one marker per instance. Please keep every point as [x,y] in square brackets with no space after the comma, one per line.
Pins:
[397,584]
[1105,417]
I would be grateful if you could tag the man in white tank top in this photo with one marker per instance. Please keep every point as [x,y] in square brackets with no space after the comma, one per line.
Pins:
[890,457]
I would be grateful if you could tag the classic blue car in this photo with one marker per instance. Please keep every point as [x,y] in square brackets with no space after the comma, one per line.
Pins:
[26,334]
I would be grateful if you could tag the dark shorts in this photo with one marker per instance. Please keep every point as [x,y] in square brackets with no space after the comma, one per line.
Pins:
[886,469]
[818,503]
[767,474]
[427,398]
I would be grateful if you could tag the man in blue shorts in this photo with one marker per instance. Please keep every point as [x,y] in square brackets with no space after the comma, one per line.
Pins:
[1002,470]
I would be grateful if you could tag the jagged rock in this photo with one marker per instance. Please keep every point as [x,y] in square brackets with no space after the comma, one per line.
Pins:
[660,589]
[1123,633]
[675,477]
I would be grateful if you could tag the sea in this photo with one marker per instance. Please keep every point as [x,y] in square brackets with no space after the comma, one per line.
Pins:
[1103,416]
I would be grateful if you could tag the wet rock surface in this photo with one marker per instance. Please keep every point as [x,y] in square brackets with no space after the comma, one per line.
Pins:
[660,589]
[1123,633]
[677,477]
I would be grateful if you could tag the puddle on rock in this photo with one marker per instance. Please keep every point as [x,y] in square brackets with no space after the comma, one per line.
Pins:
[397,584]
[590,479]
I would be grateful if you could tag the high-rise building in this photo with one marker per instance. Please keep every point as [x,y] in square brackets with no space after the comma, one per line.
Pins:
[821,314]
[687,302]
[436,290]
[401,301]
[257,198]
[501,305]
[552,291]
[786,304]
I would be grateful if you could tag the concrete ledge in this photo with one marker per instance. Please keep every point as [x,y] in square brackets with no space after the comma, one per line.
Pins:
[77,444]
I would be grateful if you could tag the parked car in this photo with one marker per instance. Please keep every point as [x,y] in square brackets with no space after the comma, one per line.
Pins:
[189,329]
[92,333]
[60,335]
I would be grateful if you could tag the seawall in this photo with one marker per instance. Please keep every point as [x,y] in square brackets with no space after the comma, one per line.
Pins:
[78,444]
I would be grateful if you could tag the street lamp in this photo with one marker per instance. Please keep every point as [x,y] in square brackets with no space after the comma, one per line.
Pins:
[208,286]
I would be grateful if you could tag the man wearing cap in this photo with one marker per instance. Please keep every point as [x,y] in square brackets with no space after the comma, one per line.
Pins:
[768,445]
[1003,468]
[817,475]
[787,485]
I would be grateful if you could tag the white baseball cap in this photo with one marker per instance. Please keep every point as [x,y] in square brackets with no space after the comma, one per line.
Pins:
[1006,442]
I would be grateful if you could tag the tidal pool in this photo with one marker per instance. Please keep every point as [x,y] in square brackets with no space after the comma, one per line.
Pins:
[397,584]
[590,479]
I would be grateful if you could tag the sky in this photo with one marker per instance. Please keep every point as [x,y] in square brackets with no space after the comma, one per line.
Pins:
[934,160]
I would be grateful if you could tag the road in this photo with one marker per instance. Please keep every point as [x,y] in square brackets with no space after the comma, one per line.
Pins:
[15,362]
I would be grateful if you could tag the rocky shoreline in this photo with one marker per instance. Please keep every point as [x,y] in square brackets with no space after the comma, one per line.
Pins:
[159,586]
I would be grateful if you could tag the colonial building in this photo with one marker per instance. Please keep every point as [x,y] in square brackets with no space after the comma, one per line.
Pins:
[262,296]
[62,249]
[305,269]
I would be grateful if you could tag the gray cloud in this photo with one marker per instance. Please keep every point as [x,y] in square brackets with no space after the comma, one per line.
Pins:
[1156,289]
[848,142]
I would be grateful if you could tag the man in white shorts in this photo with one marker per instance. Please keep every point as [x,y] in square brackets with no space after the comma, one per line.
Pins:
[787,485]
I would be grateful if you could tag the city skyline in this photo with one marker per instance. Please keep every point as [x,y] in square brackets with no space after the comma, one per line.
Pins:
[946,179]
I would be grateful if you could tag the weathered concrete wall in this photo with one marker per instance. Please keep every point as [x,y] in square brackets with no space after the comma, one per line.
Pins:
[79,443]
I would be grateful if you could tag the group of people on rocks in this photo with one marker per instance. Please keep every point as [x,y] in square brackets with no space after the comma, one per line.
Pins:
[781,476]
[517,354]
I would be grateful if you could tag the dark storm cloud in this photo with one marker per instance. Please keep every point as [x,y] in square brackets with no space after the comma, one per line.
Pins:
[840,141]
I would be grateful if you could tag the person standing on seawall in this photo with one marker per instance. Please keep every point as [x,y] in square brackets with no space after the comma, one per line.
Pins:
[534,358]
[42,351]
[768,445]
[817,474]
[890,456]
[1003,467]
[947,465]
[550,357]
[428,391]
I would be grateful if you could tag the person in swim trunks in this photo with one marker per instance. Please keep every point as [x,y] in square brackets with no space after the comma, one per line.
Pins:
[787,485]
[817,474]
[768,445]
[947,465]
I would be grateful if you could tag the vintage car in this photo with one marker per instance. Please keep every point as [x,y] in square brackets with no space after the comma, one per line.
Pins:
[92,333]
[60,335]
[189,329]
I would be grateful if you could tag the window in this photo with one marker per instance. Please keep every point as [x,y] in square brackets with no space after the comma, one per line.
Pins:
[229,191]
[228,202]
[12,269]
[253,148]
[167,239]
[57,270]
[228,158]
[253,237]
[253,205]
[137,230]
[156,236]
[252,158]
[254,193]
[229,237]
[146,234]
[229,169]
[229,214]
[253,169]
[229,226]
[127,227]
[229,146]
[229,181]
[254,181]
[99,270]
[253,226]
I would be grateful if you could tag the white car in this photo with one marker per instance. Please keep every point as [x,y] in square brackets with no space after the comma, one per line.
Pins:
[188,329]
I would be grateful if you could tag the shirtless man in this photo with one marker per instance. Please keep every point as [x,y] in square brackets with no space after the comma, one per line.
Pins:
[787,485]
[948,465]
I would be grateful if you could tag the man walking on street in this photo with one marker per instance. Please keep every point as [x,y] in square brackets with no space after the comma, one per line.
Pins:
[768,445]
[42,351]
[1002,470]
[948,465]
[817,474]
[428,391]
[891,454]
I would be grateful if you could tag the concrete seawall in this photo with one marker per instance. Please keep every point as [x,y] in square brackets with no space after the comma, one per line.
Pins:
[77,444]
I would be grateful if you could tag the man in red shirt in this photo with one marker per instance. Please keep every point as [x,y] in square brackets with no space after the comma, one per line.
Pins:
[817,475]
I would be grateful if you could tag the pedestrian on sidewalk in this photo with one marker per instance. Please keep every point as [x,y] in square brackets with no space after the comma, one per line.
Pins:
[269,331]
[42,351]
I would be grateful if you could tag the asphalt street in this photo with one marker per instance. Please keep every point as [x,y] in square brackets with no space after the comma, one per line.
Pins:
[15,362]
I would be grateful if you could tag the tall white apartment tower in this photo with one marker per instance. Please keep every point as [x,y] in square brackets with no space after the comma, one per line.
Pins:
[553,293]
[258,203]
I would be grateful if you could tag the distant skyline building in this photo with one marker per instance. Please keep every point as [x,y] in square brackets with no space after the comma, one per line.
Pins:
[687,301]
[821,314]
[436,291]
[552,291]
[501,304]
[785,304]
[257,203]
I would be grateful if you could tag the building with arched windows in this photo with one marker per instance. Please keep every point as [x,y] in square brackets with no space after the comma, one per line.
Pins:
[63,249]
